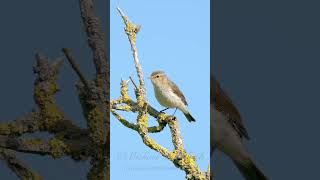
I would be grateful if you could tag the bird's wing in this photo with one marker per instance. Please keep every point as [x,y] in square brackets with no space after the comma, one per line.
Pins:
[224,104]
[177,91]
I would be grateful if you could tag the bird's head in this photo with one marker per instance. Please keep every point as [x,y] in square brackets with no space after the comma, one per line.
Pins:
[158,77]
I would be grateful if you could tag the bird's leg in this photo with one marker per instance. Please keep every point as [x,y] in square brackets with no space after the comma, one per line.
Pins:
[173,117]
[174,112]
[164,110]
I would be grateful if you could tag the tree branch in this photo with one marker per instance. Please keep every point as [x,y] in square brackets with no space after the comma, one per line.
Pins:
[96,39]
[27,145]
[17,166]
[132,31]
[97,110]
[51,118]
[75,66]
[26,124]
[179,156]
[133,107]
[69,139]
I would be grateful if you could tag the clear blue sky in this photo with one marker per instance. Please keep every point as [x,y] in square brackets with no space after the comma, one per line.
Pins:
[175,37]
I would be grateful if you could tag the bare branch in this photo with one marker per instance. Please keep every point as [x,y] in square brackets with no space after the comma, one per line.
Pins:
[124,121]
[98,115]
[75,66]
[96,39]
[152,129]
[26,124]
[132,31]
[18,166]
[33,146]
[136,87]
[76,144]
[51,118]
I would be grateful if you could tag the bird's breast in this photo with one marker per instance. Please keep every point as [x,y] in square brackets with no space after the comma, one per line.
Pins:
[166,97]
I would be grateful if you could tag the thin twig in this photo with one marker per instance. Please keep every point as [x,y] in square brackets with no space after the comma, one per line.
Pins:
[120,12]
[75,66]
[136,87]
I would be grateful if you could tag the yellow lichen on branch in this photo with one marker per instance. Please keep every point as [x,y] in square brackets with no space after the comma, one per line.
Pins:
[67,138]
[179,156]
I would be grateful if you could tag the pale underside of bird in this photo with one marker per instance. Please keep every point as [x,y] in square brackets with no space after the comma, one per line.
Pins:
[228,132]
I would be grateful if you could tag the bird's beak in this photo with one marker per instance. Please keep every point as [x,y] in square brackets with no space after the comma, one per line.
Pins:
[149,77]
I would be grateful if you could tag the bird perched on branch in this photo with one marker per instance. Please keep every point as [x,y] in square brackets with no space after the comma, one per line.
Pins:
[168,94]
[228,132]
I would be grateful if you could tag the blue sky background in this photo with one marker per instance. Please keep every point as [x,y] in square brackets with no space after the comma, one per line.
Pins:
[175,37]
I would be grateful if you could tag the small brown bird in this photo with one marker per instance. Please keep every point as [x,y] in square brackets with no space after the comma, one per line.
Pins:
[228,131]
[168,94]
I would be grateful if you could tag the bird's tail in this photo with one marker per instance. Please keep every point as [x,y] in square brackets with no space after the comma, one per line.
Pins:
[250,171]
[189,117]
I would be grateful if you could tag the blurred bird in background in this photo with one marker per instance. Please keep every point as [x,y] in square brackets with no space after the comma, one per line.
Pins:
[228,131]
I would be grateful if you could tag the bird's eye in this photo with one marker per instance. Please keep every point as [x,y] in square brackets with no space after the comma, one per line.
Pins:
[157,76]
